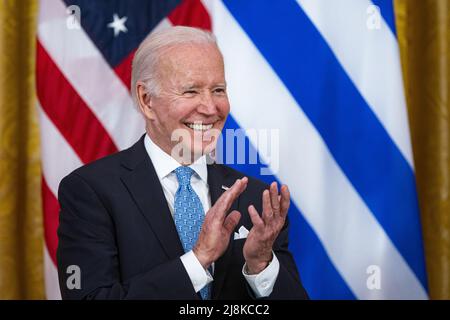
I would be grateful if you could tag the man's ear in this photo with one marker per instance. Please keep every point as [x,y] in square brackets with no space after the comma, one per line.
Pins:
[144,99]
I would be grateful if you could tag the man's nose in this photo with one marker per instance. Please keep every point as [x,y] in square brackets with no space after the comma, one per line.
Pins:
[207,104]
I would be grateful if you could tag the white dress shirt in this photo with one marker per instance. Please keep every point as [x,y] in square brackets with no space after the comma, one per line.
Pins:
[262,283]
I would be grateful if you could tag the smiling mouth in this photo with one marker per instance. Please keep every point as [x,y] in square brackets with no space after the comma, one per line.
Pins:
[199,126]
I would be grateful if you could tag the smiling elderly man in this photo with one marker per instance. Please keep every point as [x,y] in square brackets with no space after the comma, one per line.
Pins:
[151,223]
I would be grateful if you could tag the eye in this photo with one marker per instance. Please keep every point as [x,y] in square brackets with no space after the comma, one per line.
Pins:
[219,90]
[190,92]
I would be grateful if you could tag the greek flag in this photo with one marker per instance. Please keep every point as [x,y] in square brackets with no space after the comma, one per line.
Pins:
[327,74]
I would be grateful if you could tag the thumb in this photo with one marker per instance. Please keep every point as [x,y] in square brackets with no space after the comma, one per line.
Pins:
[231,221]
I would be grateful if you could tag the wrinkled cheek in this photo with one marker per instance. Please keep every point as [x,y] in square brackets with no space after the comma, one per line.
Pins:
[225,109]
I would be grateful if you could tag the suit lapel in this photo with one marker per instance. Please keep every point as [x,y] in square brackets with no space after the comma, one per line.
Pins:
[144,186]
[218,177]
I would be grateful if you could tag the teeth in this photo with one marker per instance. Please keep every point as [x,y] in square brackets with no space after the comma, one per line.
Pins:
[198,126]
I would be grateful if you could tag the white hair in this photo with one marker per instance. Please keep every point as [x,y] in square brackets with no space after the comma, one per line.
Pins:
[147,57]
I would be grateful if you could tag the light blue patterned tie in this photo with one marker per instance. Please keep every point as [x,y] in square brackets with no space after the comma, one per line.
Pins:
[189,214]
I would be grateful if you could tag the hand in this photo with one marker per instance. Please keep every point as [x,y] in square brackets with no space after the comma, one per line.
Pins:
[217,227]
[258,246]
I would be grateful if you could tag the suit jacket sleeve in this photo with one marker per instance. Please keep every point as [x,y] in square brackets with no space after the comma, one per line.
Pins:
[288,284]
[87,240]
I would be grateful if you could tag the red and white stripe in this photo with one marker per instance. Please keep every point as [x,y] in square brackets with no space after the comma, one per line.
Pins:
[84,106]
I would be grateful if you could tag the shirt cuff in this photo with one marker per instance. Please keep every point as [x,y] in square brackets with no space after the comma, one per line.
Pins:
[263,282]
[199,276]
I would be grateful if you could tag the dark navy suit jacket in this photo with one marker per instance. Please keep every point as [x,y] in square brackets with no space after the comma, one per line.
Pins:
[115,225]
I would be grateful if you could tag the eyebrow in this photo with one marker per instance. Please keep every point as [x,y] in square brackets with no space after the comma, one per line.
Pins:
[190,86]
[196,85]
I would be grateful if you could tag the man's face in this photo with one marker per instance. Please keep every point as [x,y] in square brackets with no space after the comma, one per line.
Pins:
[192,98]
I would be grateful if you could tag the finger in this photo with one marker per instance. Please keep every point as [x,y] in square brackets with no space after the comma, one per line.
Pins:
[274,198]
[254,216]
[231,221]
[267,213]
[228,197]
[285,200]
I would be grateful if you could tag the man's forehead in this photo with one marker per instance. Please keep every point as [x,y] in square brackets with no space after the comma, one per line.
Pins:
[193,63]
[188,51]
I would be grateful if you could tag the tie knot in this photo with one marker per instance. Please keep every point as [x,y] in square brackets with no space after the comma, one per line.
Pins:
[184,175]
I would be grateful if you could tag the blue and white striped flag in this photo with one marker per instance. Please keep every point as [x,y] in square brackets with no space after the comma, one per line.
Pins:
[327,74]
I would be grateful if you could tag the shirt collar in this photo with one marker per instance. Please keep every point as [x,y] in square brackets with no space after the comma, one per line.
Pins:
[164,164]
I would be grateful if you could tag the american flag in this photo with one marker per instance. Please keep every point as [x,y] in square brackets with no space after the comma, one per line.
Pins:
[326,74]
